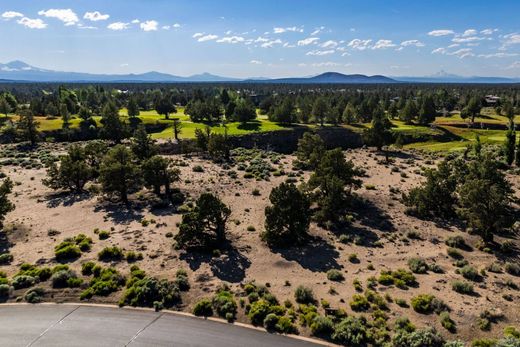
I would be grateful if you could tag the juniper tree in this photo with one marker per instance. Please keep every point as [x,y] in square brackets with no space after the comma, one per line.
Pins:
[118,172]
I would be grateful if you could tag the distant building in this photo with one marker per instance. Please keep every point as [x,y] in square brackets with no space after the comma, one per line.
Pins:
[491,100]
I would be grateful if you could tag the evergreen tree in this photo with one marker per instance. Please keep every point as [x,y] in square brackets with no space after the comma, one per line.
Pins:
[28,126]
[287,219]
[159,172]
[65,117]
[133,108]
[509,145]
[244,111]
[5,108]
[379,134]
[118,172]
[427,112]
[409,113]
[177,128]
[72,173]
[142,144]
[113,128]
[319,110]
[205,226]
[6,205]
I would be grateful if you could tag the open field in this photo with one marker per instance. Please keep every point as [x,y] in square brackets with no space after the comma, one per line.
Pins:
[381,237]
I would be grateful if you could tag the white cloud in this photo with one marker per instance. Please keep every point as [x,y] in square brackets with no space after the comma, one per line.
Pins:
[308,41]
[177,25]
[261,39]
[463,53]
[415,43]
[514,65]
[136,21]
[359,44]
[319,53]
[256,62]
[11,14]
[166,27]
[384,44]
[95,16]
[118,26]
[149,25]
[511,39]
[67,16]
[197,35]
[498,55]
[441,32]
[317,31]
[209,37]
[329,44]
[327,64]
[440,50]
[231,39]
[467,39]
[488,31]
[271,43]
[32,23]
[279,30]
[469,32]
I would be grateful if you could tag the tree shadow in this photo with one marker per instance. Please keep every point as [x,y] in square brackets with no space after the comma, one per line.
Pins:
[231,266]
[65,199]
[371,216]
[253,125]
[316,255]
[120,214]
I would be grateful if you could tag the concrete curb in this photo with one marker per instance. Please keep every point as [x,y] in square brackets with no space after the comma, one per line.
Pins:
[175,313]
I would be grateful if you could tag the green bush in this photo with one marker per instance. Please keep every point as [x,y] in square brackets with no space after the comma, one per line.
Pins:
[462,287]
[469,272]
[6,258]
[512,268]
[103,235]
[456,242]
[359,303]
[23,281]
[105,282]
[225,304]
[351,331]
[66,251]
[151,292]
[304,295]
[270,321]
[426,303]
[34,295]
[39,273]
[455,254]
[419,338]
[86,268]
[418,265]
[203,308]
[60,279]
[110,254]
[335,275]
[322,326]
[132,256]
[5,290]
[447,322]
[258,311]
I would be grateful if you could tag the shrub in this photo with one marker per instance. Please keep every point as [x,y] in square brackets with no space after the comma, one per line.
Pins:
[105,281]
[447,322]
[151,292]
[426,303]
[456,242]
[270,321]
[401,302]
[322,326]
[86,268]
[34,295]
[351,331]
[66,251]
[452,252]
[462,287]
[419,338]
[403,323]
[198,168]
[203,308]
[353,258]
[132,256]
[225,304]
[495,267]
[285,325]
[335,275]
[5,290]
[469,272]
[418,265]
[60,279]
[6,258]
[23,281]
[359,303]
[258,311]
[304,295]
[181,279]
[512,268]
[103,235]
[110,254]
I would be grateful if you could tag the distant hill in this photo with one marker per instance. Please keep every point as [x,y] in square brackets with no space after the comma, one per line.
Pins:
[18,71]
[333,77]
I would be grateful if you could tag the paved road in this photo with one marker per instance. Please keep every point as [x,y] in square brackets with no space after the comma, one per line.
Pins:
[76,325]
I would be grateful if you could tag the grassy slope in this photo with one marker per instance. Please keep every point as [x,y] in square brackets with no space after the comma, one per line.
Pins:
[262,124]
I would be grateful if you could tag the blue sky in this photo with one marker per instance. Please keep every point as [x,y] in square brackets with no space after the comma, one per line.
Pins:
[272,38]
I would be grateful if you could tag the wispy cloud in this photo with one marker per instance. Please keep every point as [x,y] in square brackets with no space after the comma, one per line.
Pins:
[319,53]
[231,39]
[11,14]
[280,30]
[308,41]
[384,44]
[360,45]
[208,37]
[441,32]
[118,26]
[256,62]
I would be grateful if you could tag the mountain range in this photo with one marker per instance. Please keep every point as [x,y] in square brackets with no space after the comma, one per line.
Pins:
[18,71]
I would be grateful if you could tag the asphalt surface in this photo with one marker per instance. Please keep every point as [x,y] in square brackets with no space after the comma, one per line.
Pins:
[76,325]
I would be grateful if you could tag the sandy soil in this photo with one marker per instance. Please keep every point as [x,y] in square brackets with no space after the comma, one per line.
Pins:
[38,209]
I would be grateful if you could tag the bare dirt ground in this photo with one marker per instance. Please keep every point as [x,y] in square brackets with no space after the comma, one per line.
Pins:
[381,224]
